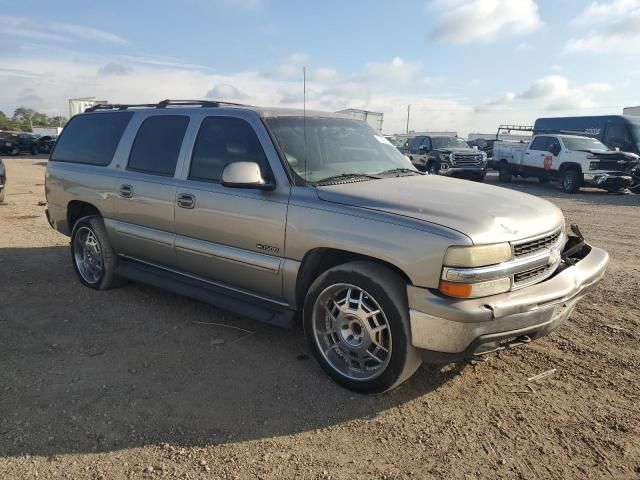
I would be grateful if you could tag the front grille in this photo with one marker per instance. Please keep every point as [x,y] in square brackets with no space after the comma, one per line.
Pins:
[533,246]
[531,274]
[460,160]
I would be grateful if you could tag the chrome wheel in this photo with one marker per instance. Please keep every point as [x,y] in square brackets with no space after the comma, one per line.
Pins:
[352,332]
[87,255]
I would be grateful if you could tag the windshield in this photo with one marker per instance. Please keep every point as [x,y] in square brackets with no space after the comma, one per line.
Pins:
[583,143]
[334,146]
[635,131]
[448,142]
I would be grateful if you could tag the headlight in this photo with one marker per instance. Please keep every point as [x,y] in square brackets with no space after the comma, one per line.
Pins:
[477,256]
[467,278]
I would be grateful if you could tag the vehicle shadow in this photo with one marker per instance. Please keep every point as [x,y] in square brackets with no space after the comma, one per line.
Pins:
[89,371]
[588,196]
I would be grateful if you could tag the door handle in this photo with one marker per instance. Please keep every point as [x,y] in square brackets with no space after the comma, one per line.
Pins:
[126,191]
[186,200]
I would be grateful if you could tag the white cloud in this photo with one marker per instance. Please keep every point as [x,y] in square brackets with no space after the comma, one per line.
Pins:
[224,91]
[395,71]
[604,12]
[52,31]
[552,92]
[115,69]
[466,21]
[613,27]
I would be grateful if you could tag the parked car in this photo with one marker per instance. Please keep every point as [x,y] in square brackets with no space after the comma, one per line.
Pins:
[269,212]
[485,145]
[3,180]
[444,155]
[615,131]
[573,160]
[45,143]
[16,143]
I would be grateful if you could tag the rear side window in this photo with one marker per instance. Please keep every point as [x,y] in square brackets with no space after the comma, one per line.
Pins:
[91,139]
[157,145]
[221,141]
[540,143]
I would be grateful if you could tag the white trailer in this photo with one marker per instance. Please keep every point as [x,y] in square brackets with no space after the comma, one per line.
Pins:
[53,131]
[634,111]
[372,118]
[79,105]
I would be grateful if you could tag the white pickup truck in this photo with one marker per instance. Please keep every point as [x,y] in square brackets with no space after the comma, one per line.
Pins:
[573,160]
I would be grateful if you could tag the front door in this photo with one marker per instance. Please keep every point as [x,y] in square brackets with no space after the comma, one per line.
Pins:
[230,236]
[535,156]
[143,223]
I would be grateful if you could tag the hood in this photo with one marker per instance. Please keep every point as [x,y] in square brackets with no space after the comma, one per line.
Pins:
[457,150]
[615,155]
[484,213]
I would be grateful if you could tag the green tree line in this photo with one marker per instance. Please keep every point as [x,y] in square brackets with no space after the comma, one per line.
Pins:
[24,119]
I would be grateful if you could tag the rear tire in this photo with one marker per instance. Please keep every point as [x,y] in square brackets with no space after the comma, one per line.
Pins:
[571,180]
[91,254]
[363,351]
[14,152]
[504,173]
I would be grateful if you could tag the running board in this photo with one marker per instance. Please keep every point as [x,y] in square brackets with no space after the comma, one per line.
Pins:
[235,302]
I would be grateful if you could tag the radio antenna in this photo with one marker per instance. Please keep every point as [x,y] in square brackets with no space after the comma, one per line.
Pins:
[304,119]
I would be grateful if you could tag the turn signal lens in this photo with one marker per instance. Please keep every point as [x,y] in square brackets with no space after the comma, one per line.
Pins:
[477,256]
[475,290]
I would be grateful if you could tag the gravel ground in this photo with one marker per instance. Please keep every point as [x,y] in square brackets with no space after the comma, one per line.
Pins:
[140,383]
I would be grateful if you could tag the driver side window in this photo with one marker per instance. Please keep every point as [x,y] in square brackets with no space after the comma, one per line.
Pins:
[221,141]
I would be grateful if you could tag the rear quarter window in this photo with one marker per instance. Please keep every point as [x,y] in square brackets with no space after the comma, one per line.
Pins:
[91,139]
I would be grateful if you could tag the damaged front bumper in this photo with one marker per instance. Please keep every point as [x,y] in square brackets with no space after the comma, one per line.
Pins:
[609,180]
[449,329]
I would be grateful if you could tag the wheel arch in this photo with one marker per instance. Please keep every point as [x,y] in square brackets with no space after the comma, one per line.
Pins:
[319,260]
[77,209]
[570,166]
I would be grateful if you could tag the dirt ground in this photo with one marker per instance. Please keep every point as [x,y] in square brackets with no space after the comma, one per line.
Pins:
[140,383]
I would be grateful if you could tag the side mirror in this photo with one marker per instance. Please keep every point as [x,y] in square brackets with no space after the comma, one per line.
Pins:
[244,175]
[555,151]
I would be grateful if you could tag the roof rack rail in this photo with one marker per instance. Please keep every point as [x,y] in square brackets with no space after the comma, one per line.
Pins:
[117,106]
[163,104]
[518,128]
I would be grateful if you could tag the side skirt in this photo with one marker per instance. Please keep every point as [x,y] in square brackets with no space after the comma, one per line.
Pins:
[256,308]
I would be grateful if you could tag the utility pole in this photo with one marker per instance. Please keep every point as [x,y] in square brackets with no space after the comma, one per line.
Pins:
[408,113]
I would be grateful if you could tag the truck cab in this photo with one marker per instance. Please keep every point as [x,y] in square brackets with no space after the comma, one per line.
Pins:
[573,160]
[446,155]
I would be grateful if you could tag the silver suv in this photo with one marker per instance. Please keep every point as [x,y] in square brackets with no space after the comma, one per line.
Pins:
[270,213]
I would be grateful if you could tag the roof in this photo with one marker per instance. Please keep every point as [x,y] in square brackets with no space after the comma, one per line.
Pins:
[198,104]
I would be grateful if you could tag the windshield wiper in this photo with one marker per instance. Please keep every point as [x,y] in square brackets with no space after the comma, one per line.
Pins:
[343,176]
[398,171]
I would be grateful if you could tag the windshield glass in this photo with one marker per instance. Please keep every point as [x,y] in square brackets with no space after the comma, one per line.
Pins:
[635,131]
[334,146]
[583,143]
[449,142]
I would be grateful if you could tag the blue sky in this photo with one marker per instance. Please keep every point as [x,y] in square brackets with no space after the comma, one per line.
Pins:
[464,65]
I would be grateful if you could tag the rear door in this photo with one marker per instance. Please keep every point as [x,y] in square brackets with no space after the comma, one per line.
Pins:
[231,236]
[143,223]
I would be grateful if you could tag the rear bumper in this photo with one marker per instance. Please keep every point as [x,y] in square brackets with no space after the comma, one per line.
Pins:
[449,329]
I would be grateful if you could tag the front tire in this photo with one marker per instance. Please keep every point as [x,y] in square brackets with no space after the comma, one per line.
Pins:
[504,173]
[571,181]
[356,320]
[91,254]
